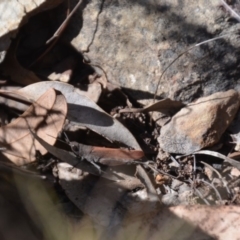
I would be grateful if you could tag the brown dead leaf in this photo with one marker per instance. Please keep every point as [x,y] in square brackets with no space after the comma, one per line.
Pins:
[46,116]
[83,111]
[234,155]
[164,106]
[115,157]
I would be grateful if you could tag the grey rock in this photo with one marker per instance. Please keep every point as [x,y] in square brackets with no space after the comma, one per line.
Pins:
[200,124]
[134,41]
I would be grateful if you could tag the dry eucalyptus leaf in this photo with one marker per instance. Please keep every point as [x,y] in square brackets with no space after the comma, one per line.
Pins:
[46,116]
[32,92]
[12,99]
[84,111]
[93,91]
[234,155]
[221,156]
[164,106]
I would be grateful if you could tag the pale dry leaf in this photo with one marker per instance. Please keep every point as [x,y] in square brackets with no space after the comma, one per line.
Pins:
[46,116]
[221,156]
[92,91]
[84,111]
[14,97]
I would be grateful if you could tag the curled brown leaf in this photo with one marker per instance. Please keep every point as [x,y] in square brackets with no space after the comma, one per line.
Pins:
[46,116]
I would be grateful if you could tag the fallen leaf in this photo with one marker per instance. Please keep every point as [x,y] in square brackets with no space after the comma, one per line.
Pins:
[92,91]
[46,116]
[84,111]
[234,155]
[165,105]
[15,97]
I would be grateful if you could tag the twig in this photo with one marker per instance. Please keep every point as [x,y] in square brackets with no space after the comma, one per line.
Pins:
[194,168]
[142,175]
[162,172]
[64,24]
[181,54]
[232,12]
[175,161]
[57,34]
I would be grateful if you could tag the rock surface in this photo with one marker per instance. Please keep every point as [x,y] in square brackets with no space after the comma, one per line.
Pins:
[134,41]
[200,124]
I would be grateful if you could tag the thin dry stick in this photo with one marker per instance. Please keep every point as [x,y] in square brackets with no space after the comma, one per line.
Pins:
[232,12]
[65,23]
[213,187]
[194,168]
[142,175]
[181,54]
[57,34]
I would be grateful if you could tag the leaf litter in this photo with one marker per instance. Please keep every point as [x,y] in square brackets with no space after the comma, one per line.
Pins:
[113,185]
